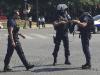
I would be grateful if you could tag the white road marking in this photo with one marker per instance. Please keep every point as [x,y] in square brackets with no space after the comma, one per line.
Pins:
[39,36]
[28,37]
[32,36]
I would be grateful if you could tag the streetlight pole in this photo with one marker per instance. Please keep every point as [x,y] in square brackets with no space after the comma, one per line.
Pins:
[25,13]
[37,11]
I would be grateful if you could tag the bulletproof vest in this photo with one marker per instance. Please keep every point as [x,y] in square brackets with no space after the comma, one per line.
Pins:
[63,28]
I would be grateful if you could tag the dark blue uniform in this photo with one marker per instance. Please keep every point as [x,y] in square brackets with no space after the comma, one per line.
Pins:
[85,35]
[62,35]
[12,23]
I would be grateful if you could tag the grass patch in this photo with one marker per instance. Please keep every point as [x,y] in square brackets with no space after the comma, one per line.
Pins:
[20,23]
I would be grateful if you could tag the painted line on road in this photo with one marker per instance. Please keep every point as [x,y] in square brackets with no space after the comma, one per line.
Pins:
[52,34]
[29,37]
[40,36]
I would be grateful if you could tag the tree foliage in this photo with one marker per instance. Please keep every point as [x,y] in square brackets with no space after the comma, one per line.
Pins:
[47,7]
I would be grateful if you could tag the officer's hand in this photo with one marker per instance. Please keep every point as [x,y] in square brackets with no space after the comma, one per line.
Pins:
[63,22]
[75,21]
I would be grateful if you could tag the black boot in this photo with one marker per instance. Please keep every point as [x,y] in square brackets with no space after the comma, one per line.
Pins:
[67,62]
[29,67]
[55,59]
[7,69]
[86,66]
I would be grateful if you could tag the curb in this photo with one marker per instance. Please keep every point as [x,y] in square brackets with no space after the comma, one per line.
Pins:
[35,27]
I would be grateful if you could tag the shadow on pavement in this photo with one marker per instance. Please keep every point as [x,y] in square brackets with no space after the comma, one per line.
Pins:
[55,69]
[51,68]
[12,71]
[1,71]
[46,65]
[18,66]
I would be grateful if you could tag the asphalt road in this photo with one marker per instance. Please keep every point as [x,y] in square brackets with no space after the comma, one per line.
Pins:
[38,47]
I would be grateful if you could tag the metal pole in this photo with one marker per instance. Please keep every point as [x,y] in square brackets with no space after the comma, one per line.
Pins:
[37,11]
[25,13]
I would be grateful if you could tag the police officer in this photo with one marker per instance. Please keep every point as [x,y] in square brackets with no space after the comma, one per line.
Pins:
[14,43]
[85,24]
[61,27]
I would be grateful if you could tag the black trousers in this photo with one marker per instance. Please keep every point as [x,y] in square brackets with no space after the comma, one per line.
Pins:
[43,24]
[10,51]
[30,24]
[58,39]
[85,45]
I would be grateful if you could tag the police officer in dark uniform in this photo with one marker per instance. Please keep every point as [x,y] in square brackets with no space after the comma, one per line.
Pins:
[61,27]
[14,43]
[85,24]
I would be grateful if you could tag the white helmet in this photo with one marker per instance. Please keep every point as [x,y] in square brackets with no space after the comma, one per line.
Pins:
[62,6]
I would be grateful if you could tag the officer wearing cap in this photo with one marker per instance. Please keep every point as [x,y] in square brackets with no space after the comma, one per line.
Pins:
[85,24]
[14,43]
[61,27]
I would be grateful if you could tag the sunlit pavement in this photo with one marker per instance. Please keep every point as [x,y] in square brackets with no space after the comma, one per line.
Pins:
[38,47]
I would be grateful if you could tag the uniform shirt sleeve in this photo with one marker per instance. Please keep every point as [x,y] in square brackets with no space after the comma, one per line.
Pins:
[90,21]
[10,23]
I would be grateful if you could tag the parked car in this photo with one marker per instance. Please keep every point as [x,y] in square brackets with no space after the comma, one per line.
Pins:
[97,23]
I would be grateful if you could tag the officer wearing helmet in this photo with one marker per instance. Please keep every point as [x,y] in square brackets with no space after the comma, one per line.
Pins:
[61,25]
